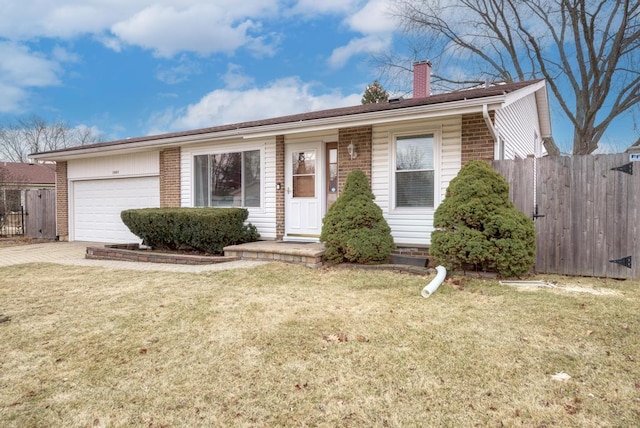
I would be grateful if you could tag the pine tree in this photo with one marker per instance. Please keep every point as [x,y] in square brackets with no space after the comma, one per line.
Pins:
[354,229]
[478,225]
[375,93]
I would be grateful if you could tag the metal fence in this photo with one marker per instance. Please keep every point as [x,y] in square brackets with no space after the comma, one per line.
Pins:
[12,222]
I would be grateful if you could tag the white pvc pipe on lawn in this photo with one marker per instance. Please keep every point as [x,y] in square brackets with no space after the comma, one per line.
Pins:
[435,282]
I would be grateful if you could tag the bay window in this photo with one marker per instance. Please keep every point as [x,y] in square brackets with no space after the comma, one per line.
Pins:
[227,179]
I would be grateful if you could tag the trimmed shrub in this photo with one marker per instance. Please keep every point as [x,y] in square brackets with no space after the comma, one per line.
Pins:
[478,225]
[203,229]
[354,229]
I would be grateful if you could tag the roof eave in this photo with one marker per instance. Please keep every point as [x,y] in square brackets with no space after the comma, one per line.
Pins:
[370,118]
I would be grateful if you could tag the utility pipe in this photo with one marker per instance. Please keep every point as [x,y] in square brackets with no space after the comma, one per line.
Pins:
[435,282]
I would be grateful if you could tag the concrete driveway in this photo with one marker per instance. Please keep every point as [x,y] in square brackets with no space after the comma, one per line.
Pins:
[72,253]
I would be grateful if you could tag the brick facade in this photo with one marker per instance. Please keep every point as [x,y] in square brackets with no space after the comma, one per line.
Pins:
[170,177]
[280,193]
[477,142]
[62,201]
[361,138]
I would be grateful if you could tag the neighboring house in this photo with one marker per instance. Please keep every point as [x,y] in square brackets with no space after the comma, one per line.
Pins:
[17,178]
[287,170]
[634,148]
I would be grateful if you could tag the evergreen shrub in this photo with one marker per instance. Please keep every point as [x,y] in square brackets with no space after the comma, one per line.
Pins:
[354,229]
[204,229]
[477,225]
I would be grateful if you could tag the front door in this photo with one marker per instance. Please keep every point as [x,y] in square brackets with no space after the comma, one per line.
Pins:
[303,191]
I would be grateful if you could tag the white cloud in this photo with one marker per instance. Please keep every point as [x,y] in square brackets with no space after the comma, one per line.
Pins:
[20,70]
[169,27]
[178,73]
[375,24]
[25,68]
[11,98]
[29,19]
[314,7]
[166,27]
[61,54]
[112,43]
[374,17]
[226,106]
[236,78]
[201,28]
[369,44]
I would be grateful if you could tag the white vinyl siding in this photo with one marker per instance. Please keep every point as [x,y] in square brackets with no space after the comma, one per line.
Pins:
[327,136]
[129,165]
[263,217]
[518,127]
[414,226]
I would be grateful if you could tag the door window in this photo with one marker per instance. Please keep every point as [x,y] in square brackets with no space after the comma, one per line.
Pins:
[304,174]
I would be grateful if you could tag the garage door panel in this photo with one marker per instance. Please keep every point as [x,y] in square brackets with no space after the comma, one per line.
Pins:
[97,205]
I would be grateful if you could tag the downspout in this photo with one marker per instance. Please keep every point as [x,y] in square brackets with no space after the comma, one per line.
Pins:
[431,287]
[492,130]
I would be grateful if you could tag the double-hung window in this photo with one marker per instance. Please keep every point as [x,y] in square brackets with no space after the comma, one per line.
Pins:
[227,179]
[414,172]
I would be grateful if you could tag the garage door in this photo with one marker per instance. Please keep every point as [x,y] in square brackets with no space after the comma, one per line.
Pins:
[97,205]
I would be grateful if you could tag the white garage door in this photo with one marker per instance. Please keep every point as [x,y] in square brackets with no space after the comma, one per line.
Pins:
[97,205]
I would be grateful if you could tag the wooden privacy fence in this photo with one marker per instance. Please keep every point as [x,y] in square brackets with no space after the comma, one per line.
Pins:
[586,211]
[40,207]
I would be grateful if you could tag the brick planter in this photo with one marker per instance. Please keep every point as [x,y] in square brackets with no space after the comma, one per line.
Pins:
[133,253]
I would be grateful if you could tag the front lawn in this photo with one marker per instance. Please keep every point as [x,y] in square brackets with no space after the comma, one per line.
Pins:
[283,345]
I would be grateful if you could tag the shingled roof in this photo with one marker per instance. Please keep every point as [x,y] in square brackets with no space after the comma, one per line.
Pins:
[397,104]
[28,173]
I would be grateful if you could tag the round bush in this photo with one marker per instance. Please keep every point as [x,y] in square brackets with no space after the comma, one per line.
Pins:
[478,225]
[354,229]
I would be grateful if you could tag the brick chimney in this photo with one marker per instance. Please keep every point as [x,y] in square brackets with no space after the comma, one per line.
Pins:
[421,79]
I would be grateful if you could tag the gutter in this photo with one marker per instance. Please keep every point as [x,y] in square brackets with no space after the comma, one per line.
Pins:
[371,118]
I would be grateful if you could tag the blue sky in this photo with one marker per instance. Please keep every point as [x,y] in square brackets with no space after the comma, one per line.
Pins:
[136,67]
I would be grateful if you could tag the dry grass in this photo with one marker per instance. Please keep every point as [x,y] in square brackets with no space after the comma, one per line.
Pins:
[282,345]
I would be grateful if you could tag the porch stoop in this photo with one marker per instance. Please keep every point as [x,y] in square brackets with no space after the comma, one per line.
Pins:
[304,253]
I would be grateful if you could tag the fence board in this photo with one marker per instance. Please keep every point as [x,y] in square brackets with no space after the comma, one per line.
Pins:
[41,213]
[591,212]
[633,222]
[601,238]
[546,259]
[519,174]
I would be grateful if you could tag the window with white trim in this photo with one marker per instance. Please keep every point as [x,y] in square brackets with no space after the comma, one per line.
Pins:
[227,179]
[414,171]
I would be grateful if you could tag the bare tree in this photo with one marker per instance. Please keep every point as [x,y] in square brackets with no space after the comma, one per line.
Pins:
[34,134]
[587,50]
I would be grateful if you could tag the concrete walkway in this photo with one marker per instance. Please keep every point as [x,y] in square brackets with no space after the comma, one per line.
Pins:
[72,253]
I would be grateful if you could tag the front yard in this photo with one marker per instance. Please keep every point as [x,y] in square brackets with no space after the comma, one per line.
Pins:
[282,345]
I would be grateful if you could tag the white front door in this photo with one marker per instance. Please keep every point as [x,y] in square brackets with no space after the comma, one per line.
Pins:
[303,191]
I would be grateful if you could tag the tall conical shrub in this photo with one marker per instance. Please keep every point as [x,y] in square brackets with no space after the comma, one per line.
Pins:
[478,225]
[354,229]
